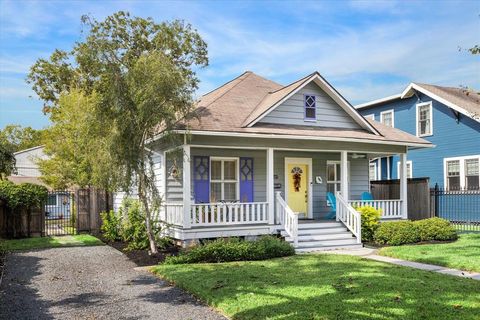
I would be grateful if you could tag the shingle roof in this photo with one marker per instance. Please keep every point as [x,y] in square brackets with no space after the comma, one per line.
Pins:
[230,107]
[466,101]
[464,98]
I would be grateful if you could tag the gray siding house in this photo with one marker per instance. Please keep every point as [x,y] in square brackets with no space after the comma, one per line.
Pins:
[261,158]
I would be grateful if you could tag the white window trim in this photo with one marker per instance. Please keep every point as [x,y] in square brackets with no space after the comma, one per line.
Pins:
[222,180]
[409,163]
[429,103]
[371,116]
[462,169]
[374,164]
[392,111]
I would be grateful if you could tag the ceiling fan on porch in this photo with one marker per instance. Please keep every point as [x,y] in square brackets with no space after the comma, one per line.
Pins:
[358,155]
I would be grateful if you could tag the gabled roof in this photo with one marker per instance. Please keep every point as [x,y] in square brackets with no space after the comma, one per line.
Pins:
[274,99]
[461,100]
[234,109]
[28,150]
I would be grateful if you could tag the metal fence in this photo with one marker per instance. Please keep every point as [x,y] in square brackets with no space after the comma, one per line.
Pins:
[60,213]
[460,207]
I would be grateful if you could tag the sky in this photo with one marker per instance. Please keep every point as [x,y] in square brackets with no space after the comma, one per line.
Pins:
[365,49]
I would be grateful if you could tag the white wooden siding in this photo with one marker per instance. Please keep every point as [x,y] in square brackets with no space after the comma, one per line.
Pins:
[118,197]
[329,113]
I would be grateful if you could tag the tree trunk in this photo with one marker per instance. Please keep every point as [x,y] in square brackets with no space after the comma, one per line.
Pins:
[148,218]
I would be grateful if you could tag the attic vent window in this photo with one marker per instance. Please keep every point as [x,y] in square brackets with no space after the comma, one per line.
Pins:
[310,107]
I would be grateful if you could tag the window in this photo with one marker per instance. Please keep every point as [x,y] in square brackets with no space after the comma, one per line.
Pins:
[471,174]
[424,119]
[310,107]
[52,200]
[333,176]
[462,173]
[370,116]
[372,171]
[409,169]
[453,175]
[387,118]
[224,179]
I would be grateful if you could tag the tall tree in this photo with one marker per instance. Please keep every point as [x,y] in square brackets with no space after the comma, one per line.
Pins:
[144,74]
[7,160]
[21,138]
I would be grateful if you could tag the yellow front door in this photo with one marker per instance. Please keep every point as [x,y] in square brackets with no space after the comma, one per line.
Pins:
[298,188]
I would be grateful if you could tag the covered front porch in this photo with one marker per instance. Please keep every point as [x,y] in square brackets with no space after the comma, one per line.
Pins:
[250,191]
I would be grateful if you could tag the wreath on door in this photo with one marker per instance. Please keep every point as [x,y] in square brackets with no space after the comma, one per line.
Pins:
[297,178]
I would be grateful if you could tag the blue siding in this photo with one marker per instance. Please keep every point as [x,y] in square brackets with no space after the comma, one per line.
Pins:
[452,139]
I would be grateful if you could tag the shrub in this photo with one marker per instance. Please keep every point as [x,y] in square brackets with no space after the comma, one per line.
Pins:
[234,249]
[370,221]
[436,229]
[397,233]
[134,230]
[111,225]
[26,195]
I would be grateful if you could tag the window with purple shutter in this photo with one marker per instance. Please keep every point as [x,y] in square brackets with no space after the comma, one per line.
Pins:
[201,179]
[310,107]
[246,179]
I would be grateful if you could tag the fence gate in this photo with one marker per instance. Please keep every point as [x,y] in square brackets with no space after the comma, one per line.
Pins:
[60,213]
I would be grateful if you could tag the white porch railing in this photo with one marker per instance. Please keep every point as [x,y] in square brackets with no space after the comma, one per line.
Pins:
[287,218]
[218,214]
[173,213]
[391,209]
[349,217]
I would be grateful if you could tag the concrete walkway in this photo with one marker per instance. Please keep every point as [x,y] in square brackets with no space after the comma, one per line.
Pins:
[372,254]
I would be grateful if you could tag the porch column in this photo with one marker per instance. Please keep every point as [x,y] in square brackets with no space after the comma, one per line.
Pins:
[403,185]
[187,194]
[344,174]
[270,187]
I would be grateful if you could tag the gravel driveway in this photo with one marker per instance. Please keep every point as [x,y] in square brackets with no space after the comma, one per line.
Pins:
[89,283]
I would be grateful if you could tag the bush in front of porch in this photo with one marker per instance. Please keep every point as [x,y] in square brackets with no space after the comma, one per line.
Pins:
[405,232]
[234,249]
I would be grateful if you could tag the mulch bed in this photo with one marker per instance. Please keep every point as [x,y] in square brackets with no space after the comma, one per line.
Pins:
[142,257]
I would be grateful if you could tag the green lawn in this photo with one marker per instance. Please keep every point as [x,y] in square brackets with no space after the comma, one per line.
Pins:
[462,254]
[326,286]
[50,242]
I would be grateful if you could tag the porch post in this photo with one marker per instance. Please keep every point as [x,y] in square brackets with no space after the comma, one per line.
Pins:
[403,185]
[187,194]
[344,175]
[270,187]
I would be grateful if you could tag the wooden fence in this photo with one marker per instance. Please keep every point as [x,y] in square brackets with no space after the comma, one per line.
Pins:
[24,223]
[87,205]
[418,195]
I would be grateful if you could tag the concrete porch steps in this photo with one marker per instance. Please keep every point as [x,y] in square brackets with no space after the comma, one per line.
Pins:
[320,236]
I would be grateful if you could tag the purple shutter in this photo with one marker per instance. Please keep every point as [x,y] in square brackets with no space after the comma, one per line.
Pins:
[246,179]
[201,179]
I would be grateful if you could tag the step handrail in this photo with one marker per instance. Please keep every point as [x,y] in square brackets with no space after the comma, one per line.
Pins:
[350,217]
[287,218]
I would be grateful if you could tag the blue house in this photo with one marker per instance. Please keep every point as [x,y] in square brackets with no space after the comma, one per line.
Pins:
[447,117]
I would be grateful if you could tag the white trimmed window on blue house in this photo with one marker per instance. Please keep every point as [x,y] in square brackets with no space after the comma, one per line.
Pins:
[424,119]
[387,118]
[310,105]
[462,173]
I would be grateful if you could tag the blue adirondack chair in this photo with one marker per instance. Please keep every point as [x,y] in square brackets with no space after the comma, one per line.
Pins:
[367,196]
[333,206]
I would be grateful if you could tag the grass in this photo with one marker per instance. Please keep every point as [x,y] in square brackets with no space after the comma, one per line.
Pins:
[326,286]
[50,242]
[463,254]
